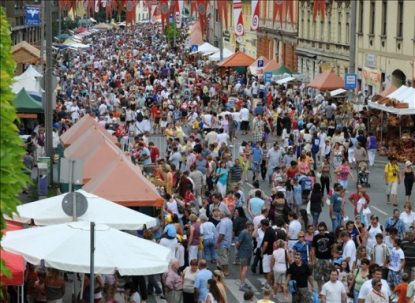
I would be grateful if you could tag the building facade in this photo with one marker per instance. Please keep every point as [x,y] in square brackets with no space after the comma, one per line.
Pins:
[277,39]
[323,41]
[15,15]
[142,13]
[385,44]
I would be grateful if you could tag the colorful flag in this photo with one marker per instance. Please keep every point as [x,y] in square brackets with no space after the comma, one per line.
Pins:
[153,16]
[238,18]
[177,10]
[96,6]
[108,9]
[130,12]
[165,13]
[278,10]
[193,6]
[202,11]
[319,6]
[289,10]
[255,14]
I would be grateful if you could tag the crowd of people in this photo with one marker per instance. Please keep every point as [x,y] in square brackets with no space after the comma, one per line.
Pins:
[224,130]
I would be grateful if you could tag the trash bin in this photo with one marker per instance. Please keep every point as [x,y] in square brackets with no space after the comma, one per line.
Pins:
[42,180]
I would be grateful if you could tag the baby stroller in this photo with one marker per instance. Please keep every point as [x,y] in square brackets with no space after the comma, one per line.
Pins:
[363,174]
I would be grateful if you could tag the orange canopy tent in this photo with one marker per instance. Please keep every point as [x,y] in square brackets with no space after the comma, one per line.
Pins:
[327,80]
[94,151]
[388,90]
[271,65]
[239,59]
[14,263]
[80,127]
[122,182]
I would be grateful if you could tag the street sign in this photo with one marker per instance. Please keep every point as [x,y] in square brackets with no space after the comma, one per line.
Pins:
[194,48]
[260,63]
[76,167]
[350,81]
[268,77]
[32,15]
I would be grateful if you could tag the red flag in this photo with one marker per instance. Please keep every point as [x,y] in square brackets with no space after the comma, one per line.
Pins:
[319,6]
[130,12]
[202,9]
[278,10]
[97,4]
[165,13]
[289,9]
[193,7]
[108,9]
[223,11]
[63,4]
[255,12]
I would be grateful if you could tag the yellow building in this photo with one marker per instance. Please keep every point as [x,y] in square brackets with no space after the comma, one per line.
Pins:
[385,47]
[323,43]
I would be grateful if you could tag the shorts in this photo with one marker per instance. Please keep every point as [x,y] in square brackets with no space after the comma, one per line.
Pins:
[322,270]
[279,277]
[157,121]
[394,277]
[266,263]
[244,125]
[223,258]
[256,167]
[392,188]
[245,261]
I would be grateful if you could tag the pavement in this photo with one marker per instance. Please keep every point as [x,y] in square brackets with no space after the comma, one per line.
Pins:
[378,207]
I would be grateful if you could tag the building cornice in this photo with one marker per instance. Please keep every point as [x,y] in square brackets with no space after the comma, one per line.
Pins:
[314,54]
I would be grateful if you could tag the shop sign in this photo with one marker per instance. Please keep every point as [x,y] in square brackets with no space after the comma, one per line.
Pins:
[371,76]
[371,60]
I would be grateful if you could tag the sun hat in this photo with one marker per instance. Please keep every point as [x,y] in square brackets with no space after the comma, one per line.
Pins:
[408,163]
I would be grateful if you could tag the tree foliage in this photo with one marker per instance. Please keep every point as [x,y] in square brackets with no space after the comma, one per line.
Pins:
[12,176]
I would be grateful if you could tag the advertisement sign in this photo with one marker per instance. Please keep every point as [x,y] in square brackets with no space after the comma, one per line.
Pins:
[371,60]
[350,81]
[371,76]
[32,15]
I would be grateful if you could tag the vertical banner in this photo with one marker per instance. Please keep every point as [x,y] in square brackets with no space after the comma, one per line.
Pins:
[319,6]
[96,6]
[289,10]
[223,12]
[32,15]
[153,16]
[278,10]
[202,11]
[130,12]
[177,12]
[255,6]
[108,9]
[238,18]
[193,7]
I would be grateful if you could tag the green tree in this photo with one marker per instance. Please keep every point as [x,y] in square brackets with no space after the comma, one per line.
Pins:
[12,176]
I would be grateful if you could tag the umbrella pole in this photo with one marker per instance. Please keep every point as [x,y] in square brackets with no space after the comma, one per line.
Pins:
[74,287]
[91,269]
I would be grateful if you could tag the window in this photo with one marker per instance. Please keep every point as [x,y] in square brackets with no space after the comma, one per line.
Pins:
[361,7]
[347,28]
[372,18]
[216,15]
[384,16]
[329,31]
[399,30]
[339,27]
[308,27]
[321,31]
[314,30]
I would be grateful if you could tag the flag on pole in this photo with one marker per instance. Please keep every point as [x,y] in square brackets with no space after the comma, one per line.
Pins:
[193,6]
[177,10]
[255,6]
[153,15]
[289,9]
[202,11]
[165,13]
[278,10]
[130,12]
[108,9]
[319,6]
[238,18]
[223,12]
[91,6]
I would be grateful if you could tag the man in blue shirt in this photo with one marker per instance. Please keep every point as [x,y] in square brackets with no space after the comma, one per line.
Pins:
[255,204]
[201,282]
[257,155]
[223,242]
[395,222]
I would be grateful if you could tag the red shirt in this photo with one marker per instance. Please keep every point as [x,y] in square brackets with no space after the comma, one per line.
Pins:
[154,153]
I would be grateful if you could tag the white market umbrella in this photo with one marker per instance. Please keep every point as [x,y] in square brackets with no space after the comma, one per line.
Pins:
[49,211]
[216,56]
[67,247]
[30,72]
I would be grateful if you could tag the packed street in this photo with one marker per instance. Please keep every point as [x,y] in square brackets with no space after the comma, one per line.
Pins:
[175,171]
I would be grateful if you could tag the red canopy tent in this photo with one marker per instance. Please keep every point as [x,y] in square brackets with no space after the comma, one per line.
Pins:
[271,65]
[239,59]
[327,81]
[14,263]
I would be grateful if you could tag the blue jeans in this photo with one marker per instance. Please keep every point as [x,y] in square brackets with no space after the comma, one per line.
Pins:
[336,221]
[315,216]
[356,295]
[344,183]
[209,252]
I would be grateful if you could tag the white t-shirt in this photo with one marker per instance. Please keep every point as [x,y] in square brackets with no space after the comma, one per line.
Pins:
[244,114]
[135,298]
[172,244]
[293,229]
[223,138]
[380,253]
[349,251]
[333,291]
[395,259]
[367,287]
[407,220]
[360,204]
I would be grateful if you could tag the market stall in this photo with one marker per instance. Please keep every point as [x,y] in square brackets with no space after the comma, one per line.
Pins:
[395,125]
[327,80]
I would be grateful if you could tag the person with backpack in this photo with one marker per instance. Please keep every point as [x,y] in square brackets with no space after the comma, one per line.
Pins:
[315,149]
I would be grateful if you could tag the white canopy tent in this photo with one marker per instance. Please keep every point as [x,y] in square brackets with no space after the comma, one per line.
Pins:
[30,72]
[337,92]
[30,84]
[206,49]
[67,247]
[216,56]
[285,80]
[403,94]
[49,211]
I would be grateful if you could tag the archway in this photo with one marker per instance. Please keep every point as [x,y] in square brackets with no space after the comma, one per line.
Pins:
[398,78]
